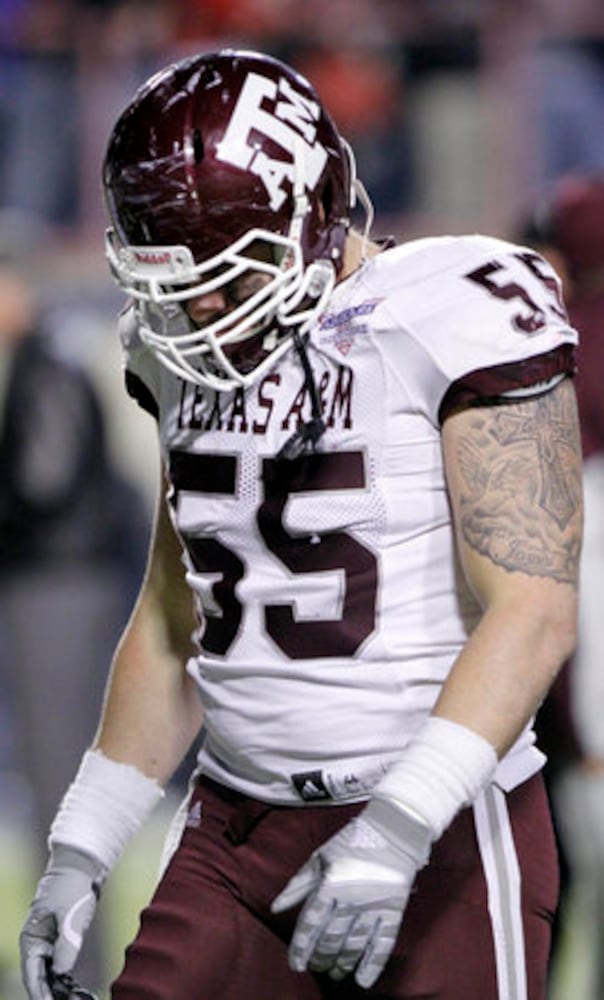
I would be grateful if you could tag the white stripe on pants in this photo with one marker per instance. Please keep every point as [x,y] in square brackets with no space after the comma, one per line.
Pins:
[502,873]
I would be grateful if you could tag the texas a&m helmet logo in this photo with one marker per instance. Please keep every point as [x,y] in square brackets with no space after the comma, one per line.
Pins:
[281,113]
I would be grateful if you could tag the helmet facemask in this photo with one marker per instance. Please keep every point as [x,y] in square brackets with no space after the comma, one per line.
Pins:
[163,280]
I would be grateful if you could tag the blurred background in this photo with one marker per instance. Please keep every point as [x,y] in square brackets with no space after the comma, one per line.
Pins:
[464,114]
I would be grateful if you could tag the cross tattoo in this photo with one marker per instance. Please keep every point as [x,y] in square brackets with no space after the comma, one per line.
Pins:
[547,431]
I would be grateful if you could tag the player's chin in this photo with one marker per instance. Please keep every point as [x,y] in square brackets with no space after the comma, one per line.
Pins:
[246,355]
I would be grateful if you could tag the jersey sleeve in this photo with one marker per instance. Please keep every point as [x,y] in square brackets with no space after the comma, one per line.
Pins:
[482,320]
[140,368]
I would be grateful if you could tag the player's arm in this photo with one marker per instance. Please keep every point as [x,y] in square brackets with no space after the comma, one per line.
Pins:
[514,478]
[152,710]
[151,715]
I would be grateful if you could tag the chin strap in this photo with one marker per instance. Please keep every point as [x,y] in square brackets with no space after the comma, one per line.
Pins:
[367,204]
[308,435]
[359,195]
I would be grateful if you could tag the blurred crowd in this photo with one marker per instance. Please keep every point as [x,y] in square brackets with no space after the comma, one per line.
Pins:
[465,115]
[459,109]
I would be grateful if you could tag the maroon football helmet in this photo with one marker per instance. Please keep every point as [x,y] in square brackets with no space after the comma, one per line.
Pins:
[573,221]
[224,167]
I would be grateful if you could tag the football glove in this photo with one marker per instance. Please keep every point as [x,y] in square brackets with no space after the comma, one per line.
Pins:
[58,918]
[356,888]
[64,987]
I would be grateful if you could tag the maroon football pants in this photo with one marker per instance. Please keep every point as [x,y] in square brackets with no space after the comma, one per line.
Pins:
[477,926]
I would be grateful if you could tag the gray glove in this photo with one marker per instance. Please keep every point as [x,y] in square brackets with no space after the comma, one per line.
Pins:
[357,885]
[58,918]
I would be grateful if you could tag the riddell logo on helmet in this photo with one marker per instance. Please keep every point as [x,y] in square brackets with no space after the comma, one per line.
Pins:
[290,124]
[152,257]
[158,261]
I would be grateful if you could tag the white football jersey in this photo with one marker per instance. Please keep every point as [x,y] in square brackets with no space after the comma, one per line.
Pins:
[330,591]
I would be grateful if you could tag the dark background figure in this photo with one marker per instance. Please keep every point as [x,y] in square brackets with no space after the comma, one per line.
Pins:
[569,229]
[72,537]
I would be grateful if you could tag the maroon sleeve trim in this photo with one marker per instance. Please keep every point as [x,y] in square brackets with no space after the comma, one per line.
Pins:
[136,388]
[486,386]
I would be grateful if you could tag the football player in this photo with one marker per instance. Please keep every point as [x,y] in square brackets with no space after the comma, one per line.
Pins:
[569,228]
[372,504]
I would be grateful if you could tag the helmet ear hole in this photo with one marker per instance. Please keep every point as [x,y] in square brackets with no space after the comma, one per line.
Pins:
[198,146]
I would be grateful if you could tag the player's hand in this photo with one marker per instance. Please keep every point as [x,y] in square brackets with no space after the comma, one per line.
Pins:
[356,888]
[58,918]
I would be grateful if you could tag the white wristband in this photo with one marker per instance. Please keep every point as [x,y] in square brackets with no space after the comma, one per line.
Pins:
[440,771]
[103,807]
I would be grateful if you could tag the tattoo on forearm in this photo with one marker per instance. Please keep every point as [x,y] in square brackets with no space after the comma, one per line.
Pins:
[520,497]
